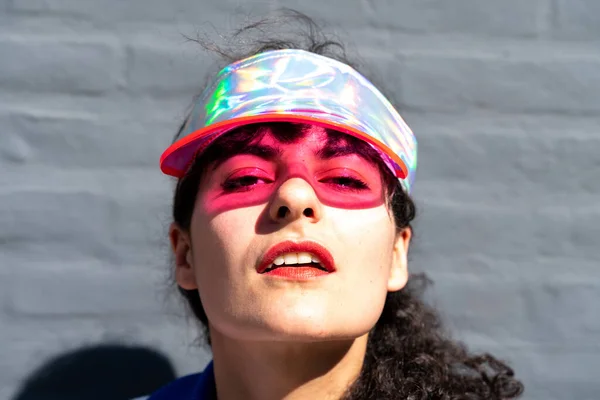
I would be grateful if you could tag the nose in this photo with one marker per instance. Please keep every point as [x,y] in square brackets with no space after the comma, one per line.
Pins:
[295,199]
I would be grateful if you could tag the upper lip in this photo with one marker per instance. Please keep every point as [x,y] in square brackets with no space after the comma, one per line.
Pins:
[289,246]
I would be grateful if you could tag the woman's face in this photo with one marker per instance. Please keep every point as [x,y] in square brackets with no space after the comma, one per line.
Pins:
[302,193]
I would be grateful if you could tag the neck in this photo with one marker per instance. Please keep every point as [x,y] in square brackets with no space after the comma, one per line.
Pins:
[285,370]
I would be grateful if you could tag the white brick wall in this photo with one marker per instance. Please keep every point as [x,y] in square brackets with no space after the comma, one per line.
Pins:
[504,97]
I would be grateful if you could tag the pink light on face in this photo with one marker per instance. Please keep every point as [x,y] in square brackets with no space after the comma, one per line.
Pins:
[347,181]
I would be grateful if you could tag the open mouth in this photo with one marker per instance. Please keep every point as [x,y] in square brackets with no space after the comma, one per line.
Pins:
[296,260]
[306,258]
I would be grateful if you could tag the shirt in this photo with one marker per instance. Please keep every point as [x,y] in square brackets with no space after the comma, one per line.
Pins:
[199,386]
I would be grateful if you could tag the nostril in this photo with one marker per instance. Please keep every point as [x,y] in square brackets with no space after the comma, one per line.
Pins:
[309,212]
[282,212]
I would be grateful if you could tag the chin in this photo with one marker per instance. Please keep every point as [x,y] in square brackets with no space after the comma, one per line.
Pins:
[312,328]
[293,328]
[308,334]
[310,320]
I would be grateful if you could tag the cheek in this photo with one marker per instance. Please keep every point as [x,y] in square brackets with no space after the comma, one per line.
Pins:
[223,240]
[372,220]
[372,227]
[223,260]
[364,238]
[367,238]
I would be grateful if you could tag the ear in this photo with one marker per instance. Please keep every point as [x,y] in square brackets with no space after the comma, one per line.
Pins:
[184,261]
[399,270]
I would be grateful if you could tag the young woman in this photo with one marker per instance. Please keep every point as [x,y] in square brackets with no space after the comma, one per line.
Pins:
[292,224]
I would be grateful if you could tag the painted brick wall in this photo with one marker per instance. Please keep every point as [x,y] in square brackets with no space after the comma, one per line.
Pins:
[503,95]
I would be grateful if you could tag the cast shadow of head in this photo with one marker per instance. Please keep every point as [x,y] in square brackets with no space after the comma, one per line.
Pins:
[107,371]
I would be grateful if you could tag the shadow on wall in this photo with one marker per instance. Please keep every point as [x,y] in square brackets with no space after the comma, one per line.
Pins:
[107,371]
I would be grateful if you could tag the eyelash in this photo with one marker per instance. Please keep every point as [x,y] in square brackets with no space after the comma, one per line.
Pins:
[355,183]
[237,184]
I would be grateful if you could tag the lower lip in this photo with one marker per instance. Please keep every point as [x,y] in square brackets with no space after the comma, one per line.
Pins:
[297,273]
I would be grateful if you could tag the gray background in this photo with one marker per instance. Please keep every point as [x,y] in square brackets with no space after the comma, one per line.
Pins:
[504,97]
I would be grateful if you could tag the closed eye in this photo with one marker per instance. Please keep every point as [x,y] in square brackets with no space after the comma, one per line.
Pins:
[242,183]
[346,182]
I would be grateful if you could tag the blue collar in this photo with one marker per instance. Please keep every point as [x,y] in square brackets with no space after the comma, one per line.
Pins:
[192,387]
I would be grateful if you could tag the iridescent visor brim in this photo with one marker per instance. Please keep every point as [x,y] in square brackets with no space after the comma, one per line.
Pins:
[187,148]
[295,86]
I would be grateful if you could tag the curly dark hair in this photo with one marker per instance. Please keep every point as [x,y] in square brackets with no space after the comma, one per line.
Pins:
[409,355]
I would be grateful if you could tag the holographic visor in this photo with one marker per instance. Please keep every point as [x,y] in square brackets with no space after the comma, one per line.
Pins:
[295,86]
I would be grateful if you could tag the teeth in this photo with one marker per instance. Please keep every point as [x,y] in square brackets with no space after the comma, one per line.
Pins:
[291,258]
[296,258]
[304,258]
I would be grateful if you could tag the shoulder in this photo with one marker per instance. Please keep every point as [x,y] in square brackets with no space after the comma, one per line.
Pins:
[199,386]
[181,388]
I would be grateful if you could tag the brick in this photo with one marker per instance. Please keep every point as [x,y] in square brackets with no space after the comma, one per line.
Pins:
[510,311]
[225,14]
[155,254]
[83,289]
[116,108]
[526,267]
[66,140]
[38,215]
[181,70]
[506,183]
[458,83]
[544,159]
[53,66]
[509,233]
[577,19]
[566,310]
[507,18]
[513,164]
[456,229]
[84,222]
[110,9]
[23,25]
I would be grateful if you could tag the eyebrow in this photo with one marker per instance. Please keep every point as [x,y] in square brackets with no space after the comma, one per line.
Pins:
[329,151]
[271,153]
[263,151]
[266,152]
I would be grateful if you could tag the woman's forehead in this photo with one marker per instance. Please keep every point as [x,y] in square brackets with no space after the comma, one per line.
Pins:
[270,138]
[294,134]
[320,137]
[325,143]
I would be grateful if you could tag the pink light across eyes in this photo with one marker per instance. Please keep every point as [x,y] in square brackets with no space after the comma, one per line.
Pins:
[245,181]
